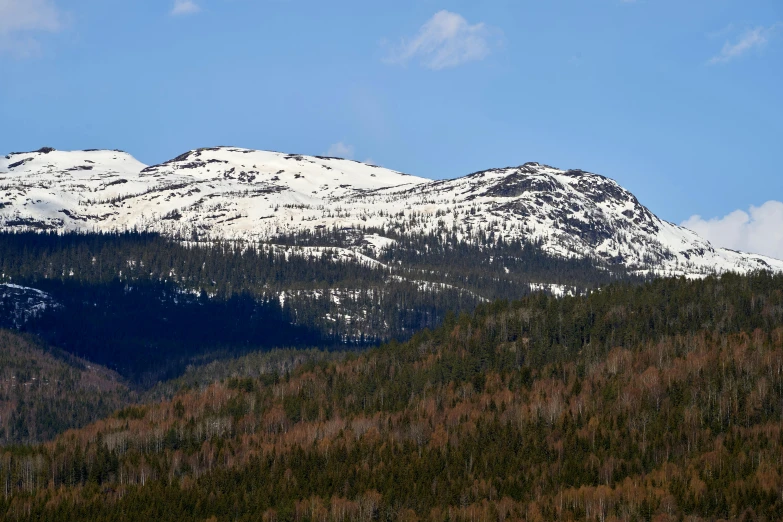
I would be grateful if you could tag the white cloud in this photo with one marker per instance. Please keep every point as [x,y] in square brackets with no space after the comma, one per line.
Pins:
[760,230]
[751,39]
[28,15]
[446,40]
[183,7]
[21,20]
[340,150]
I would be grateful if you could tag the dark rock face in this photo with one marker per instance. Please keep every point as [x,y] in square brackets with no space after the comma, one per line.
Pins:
[519,183]
[19,163]
[33,224]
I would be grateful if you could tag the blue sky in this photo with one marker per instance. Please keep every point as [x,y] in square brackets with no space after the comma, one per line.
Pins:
[680,101]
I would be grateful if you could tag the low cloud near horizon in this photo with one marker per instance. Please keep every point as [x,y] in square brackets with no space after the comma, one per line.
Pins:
[340,150]
[758,231]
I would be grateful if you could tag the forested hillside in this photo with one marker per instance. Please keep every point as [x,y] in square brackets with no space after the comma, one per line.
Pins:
[148,306]
[44,391]
[660,401]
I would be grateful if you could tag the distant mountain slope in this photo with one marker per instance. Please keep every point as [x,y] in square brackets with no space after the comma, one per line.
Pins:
[232,193]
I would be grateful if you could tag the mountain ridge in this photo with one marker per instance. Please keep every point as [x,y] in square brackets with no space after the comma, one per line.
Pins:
[230,193]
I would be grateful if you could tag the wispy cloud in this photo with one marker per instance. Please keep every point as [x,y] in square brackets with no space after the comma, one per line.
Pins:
[184,7]
[759,230]
[749,40]
[447,40]
[22,20]
[723,31]
[340,150]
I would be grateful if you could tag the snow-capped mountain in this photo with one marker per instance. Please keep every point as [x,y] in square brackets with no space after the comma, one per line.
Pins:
[232,193]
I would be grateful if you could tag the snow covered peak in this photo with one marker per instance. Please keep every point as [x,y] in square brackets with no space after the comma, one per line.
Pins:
[50,160]
[306,173]
[573,213]
[235,193]
[220,192]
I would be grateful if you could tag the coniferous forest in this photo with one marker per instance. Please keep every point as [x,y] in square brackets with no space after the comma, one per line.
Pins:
[639,401]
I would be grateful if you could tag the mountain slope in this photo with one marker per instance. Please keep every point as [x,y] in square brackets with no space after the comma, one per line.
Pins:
[641,402]
[118,294]
[43,392]
[232,193]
